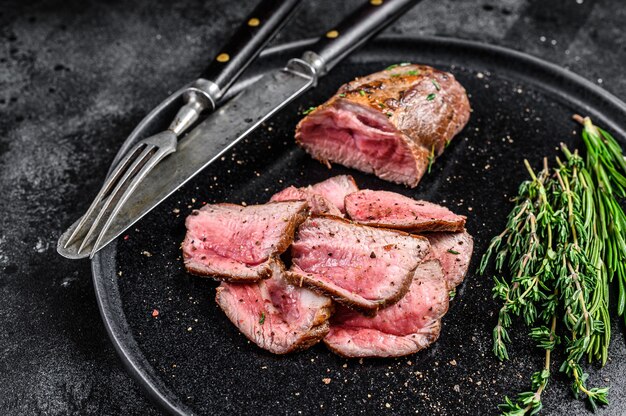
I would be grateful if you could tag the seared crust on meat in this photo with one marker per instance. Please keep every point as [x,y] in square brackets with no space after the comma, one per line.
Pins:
[390,123]
[403,91]
[315,335]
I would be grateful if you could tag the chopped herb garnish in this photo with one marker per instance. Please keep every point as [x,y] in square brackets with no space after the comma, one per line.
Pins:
[452,294]
[342,95]
[389,114]
[308,110]
[414,72]
[262,318]
[362,93]
[453,252]
[436,84]
[431,96]
[397,74]
[405,64]
[391,67]
[381,105]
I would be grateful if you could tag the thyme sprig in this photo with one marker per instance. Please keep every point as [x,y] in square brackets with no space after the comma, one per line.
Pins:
[526,254]
[564,242]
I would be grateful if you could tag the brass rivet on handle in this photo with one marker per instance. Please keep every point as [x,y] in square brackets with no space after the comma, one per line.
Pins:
[223,57]
[376,2]
[254,22]
[332,34]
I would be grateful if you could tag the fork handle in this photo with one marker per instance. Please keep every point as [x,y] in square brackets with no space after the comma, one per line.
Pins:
[253,34]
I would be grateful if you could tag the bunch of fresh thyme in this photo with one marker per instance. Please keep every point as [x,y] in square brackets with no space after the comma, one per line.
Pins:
[564,242]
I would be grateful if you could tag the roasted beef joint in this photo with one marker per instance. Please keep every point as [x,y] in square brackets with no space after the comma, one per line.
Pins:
[391,123]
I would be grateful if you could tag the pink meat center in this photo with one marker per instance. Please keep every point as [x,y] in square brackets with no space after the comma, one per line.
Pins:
[336,132]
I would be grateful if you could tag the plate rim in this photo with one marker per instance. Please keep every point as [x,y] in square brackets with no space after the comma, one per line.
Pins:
[104,262]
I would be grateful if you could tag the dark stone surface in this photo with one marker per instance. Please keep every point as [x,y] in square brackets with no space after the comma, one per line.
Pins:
[75,77]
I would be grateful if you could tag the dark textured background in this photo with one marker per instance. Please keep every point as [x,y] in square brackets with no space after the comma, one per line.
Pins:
[72,67]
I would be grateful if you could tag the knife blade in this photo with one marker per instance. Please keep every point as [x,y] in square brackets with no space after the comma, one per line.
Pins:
[224,128]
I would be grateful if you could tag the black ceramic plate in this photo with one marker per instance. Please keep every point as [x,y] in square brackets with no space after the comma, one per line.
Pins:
[191,359]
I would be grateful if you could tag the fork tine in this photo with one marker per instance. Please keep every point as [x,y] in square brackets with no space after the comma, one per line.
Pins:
[111,181]
[156,158]
[135,167]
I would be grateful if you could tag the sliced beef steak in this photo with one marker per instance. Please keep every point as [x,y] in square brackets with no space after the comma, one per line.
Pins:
[274,314]
[408,326]
[317,203]
[392,210]
[237,243]
[326,197]
[454,252]
[390,123]
[335,189]
[362,267]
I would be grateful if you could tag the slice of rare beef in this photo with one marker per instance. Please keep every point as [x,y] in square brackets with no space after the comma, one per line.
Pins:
[237,243]
[392,210]
[408,326]
[362,267]
[274,314]
[317,203]
[390,123]
[454,252]
[335,189]
[326,197]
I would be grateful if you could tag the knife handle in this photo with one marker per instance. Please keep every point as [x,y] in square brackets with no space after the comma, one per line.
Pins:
[253,34]
[357,28]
